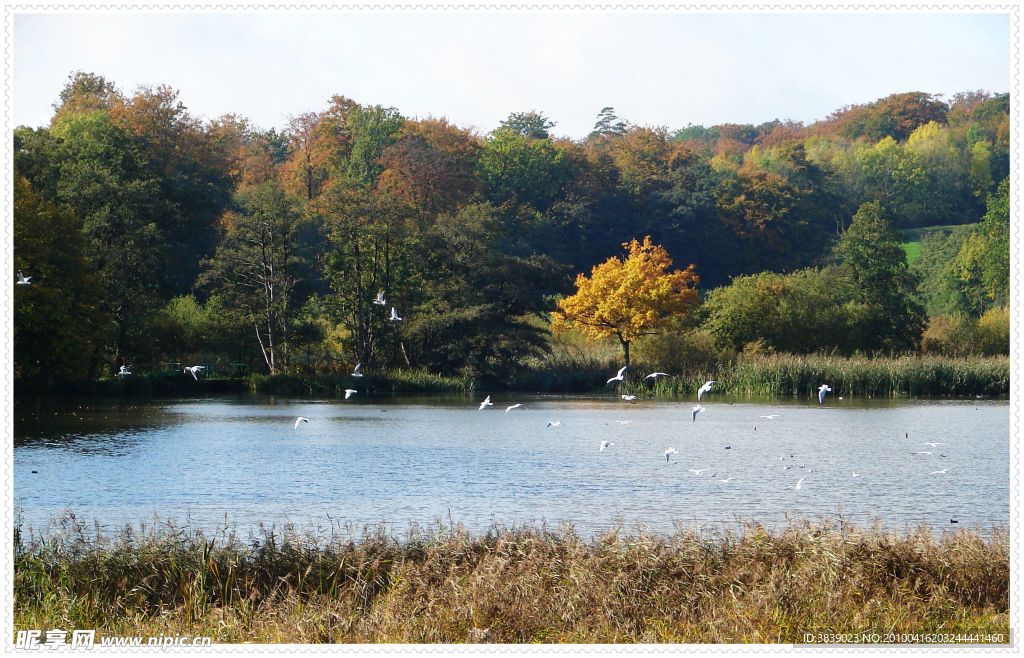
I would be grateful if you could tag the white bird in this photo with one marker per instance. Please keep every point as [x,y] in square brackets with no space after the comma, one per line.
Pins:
[628,398]
[799,482]
[349,392]
[23,280]
[193,370]
[705,388]
[932,444]
[379,300]
[822,390]
[513,406]
[939,472]
[856,474]
[670,451]
[770,416]
[486,403]
[605,445]
[696,410]
[657,374]
[618,377]
[728,479]
[623,422]
[355,371]
[696,471]
[922,452]
[124,371]
[554,423]
[300,419]
[394,315]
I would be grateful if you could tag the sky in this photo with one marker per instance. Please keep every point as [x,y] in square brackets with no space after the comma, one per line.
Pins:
[656,69]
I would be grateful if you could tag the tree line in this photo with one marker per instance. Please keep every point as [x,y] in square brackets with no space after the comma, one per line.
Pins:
[152,236]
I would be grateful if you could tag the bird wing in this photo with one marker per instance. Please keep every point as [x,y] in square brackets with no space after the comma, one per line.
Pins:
[621,370]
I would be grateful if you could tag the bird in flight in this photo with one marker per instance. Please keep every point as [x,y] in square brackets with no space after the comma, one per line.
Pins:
[628,398]
[705,388]
[349,392]
[124,371]
[728,479]
[623,422]
[932,444]
[193,370]
[696,410]
[513,406]
[799,482]
[355,371]
[771,416]
[655,375]
[300,419]
[942,472]
[394,315]
[486,403]
[696,471]
[23,280]
[554,423]
[379,300]
[619,376]
[822,390]
[605,445]
[670,451]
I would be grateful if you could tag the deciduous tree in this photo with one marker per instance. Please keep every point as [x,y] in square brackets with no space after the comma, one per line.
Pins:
[630,298]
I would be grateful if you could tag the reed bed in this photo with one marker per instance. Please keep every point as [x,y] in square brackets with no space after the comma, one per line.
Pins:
[796,375]
[518,585]
[391,381]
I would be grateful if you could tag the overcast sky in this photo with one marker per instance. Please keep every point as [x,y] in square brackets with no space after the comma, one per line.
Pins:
[656,69]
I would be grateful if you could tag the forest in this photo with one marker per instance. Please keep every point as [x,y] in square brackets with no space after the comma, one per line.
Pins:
[152,237]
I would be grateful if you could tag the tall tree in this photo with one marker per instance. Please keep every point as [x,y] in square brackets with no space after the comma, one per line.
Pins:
[255,267]
[874,263]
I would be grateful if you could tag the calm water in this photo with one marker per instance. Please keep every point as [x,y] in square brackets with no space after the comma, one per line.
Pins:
[403,461]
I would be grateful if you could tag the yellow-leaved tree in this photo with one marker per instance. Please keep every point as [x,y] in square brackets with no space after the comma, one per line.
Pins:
[628,299]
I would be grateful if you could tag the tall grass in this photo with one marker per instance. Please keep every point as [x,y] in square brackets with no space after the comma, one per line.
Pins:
[518,585]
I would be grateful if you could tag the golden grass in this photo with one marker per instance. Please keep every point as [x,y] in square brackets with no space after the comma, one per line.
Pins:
[521,585]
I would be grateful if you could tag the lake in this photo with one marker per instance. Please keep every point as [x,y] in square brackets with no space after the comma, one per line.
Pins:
[416,461]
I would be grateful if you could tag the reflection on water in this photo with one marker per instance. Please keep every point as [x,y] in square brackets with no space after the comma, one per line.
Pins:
[417,460]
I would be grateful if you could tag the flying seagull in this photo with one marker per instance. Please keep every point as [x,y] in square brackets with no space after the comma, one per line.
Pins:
[486,403]
[696,410]
[23,280]
[394,315]
[349,392]
[799,482]
[728,479]
[513,406]
[932,444]
[657,374]
[605,445]
[379,300]
[770,416]
[705,388]
[193,370]
[670,451]
[942,472]
[124,371]
[554,423]
[300,419]
[618,377]
[355,371]
[822,390]
[628,398]
[623,422]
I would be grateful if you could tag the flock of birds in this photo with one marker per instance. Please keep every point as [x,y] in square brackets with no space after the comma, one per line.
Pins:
[605,445]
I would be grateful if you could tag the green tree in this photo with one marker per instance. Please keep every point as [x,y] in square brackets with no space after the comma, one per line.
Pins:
[984,258]
[873,261]
[531,125]
[255,268]
[58,320]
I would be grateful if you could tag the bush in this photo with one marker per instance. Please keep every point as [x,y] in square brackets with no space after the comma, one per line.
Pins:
[993,332]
